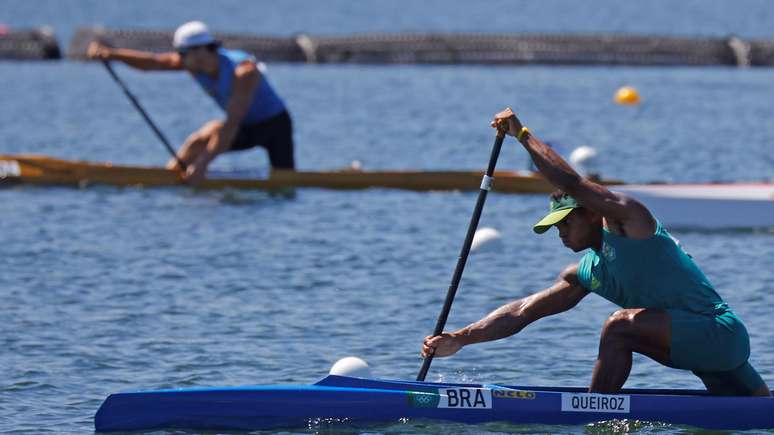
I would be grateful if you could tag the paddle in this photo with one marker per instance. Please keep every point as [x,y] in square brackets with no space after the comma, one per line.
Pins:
[143,113]
[486,185]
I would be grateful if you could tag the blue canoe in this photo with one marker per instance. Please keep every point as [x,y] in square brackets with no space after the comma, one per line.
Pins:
[374,401]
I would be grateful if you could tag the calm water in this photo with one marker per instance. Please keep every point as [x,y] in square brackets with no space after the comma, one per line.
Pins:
[113,289]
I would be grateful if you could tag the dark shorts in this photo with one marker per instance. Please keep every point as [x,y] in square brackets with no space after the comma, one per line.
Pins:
[274,134]
[715,347]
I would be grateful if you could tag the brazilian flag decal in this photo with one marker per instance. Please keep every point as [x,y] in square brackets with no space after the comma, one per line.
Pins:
[594,282]
[418,399]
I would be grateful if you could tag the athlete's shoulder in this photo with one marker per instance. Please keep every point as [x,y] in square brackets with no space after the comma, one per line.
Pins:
[236,56]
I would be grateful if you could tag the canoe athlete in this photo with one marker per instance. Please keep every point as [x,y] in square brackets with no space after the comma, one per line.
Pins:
[255,114]
[670,312]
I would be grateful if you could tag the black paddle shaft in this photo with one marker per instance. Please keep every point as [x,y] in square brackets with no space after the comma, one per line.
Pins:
[143,113]
[486,184]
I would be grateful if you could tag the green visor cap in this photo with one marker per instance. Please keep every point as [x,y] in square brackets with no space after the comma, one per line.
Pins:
[558,210]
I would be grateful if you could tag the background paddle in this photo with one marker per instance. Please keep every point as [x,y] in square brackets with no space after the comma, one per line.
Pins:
[486,185]
[144,114]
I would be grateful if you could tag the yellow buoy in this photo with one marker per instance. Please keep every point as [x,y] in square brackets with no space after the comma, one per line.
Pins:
[627,95]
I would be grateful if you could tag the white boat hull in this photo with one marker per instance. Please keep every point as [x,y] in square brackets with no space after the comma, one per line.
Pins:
[710,206]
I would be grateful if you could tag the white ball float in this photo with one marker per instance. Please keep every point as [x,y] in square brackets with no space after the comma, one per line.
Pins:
[583,160]
[485,237]
[351,366]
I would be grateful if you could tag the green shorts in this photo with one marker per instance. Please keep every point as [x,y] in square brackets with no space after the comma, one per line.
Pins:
[715,347]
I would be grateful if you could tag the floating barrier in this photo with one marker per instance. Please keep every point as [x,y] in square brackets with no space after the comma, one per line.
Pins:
[28,44]
[471,48]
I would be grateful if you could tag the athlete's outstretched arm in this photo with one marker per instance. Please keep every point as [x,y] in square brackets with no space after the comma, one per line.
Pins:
[142,60]
[246,81]
[511,318]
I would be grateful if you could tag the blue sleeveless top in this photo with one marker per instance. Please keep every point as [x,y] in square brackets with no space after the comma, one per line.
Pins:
[266,103]
[650,273]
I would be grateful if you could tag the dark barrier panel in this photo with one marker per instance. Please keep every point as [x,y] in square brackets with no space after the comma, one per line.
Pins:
[28,44]
[762,53]
[449,48]
[524,49]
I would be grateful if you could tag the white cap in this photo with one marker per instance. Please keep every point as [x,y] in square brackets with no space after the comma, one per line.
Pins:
[192,34]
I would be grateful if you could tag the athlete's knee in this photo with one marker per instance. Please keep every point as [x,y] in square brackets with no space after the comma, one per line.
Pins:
[619,322]
[617,330]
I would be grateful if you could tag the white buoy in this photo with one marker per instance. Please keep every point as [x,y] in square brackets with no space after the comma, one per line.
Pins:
[582,159]
[485,237]
[351,366]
